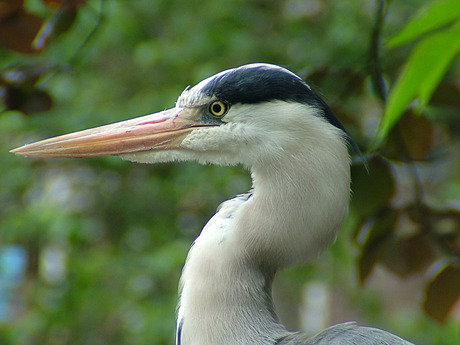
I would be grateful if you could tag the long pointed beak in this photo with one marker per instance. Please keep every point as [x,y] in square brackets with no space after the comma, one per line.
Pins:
[160,131]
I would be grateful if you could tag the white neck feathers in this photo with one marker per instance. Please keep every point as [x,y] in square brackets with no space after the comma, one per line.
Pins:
[295,211]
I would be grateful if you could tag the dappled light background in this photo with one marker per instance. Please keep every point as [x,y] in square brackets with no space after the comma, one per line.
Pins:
[91,250]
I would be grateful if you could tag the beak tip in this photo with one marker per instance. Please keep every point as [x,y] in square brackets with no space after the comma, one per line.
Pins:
[16,151]
[25,151]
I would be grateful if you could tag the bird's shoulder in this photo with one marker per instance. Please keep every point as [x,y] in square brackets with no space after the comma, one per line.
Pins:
[221,221]
[229,207]
[345,334]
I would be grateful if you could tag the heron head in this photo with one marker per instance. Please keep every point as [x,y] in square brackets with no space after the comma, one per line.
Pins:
[249,114]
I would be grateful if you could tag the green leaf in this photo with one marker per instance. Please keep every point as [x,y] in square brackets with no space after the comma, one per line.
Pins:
[424,69]
[433,16]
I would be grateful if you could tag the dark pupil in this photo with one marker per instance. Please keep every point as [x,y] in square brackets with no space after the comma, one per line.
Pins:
[217,108]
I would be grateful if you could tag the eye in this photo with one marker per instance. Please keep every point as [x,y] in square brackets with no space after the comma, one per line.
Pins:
[218,108]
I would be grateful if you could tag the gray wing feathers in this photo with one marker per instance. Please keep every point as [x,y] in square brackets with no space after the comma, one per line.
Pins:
[345,334]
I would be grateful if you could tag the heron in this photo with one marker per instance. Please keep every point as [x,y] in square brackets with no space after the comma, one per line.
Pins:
[268,120]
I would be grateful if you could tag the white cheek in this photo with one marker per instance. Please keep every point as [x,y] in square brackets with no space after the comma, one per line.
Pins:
[228,144]
[220,138]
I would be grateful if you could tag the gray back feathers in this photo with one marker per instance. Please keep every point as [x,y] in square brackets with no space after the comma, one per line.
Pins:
[345,334]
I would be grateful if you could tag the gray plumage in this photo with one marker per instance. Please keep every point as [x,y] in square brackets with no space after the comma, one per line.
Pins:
[345,334]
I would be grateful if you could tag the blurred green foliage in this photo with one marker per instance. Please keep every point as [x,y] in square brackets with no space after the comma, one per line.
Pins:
[118,233]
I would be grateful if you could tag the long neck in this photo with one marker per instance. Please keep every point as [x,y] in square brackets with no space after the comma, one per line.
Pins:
[226,282]
[224,300]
